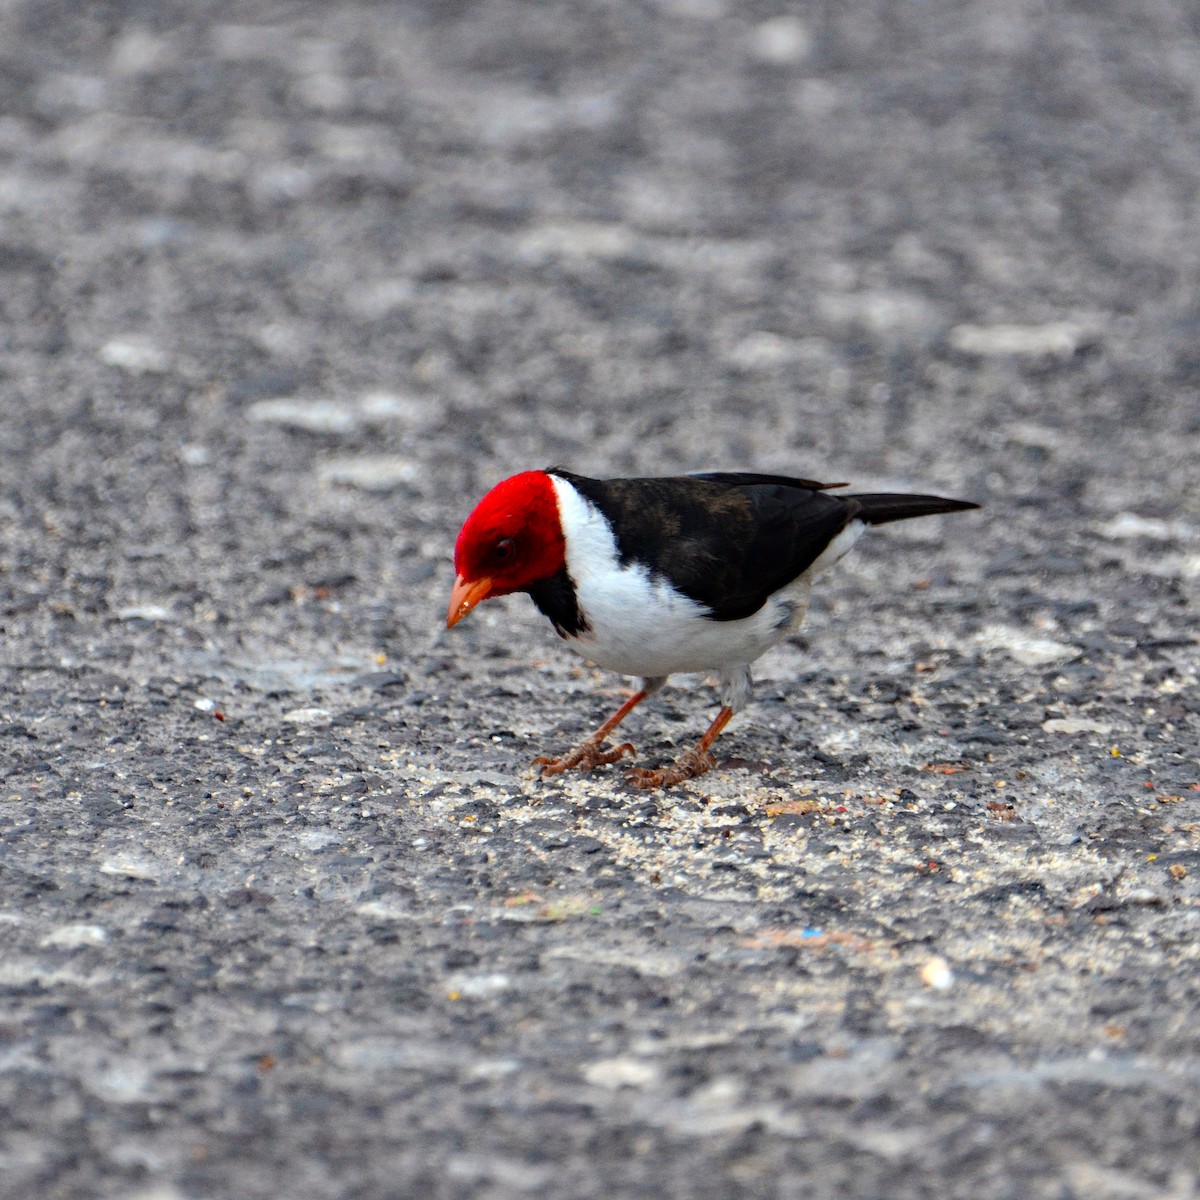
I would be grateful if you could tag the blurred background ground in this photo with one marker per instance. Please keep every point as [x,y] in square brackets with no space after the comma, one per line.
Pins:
[283,912]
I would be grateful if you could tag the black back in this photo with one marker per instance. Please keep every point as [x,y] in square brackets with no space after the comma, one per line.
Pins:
[729,540]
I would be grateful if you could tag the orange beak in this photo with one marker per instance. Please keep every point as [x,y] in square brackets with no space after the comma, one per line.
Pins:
[464,597]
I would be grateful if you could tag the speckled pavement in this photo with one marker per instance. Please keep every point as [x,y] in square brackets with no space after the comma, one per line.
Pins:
[284,912]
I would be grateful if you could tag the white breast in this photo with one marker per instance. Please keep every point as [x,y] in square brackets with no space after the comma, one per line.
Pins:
[639,625]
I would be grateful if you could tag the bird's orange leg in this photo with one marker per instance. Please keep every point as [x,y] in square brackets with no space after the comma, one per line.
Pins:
[689,764]
[588,755]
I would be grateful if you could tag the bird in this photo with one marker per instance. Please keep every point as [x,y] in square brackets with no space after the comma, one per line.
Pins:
[650,577]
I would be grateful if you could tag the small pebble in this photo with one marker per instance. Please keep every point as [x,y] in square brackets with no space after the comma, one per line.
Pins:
[1075,725]
[936,973]
[781,40]
[369,472]
[1056,339]
[616,1073]
[144,612]
[71,937]
[476,987]
[308,716]
[130,868]
[134,355]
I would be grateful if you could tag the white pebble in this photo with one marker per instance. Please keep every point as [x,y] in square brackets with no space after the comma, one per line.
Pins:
[936,973]
[313,416]
[308,716]
[144,612]
[1075,725]
[478,986]
[781,40]
[1025,649]
[1055,339]
[615,1073]
[71,937]
[368,473]
[130,868]
[137,356]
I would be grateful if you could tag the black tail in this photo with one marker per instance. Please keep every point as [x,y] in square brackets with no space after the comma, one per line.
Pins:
[878,508]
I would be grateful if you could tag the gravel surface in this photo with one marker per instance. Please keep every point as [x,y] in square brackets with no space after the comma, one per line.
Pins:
[285,287]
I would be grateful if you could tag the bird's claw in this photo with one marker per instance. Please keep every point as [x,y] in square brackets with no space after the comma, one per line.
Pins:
[688,765]
[586,757]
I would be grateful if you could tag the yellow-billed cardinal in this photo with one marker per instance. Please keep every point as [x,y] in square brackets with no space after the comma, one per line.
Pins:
[653,576]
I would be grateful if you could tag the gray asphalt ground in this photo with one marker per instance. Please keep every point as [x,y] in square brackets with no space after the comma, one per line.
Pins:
[284,913]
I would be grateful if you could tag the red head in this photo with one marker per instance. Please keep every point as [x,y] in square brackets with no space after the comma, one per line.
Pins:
[513,539]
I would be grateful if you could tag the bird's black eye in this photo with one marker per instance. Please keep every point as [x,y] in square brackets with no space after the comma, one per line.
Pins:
[503,549]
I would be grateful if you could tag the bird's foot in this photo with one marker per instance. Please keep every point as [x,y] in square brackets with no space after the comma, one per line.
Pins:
[585,757]
[688,765]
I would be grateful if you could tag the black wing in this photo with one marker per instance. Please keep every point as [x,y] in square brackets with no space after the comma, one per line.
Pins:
[727,541]
[748,477]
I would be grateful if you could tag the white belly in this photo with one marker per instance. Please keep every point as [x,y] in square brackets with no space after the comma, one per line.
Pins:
[639,625]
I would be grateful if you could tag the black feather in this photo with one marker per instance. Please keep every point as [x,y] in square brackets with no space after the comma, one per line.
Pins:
[743,478]
[878,508]
[556,599]
[730,540]
[727,546]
